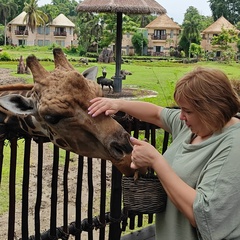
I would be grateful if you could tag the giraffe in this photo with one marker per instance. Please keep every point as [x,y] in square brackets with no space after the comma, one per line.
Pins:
[56,105]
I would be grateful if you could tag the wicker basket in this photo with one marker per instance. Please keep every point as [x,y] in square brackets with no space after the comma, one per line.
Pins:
[145,195]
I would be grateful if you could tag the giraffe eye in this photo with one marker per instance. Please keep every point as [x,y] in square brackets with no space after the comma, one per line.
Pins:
[52,119]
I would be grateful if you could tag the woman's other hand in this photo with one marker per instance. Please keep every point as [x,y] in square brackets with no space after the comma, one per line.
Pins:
[143,154]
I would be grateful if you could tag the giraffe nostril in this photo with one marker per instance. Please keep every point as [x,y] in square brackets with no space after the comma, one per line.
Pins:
[120,150]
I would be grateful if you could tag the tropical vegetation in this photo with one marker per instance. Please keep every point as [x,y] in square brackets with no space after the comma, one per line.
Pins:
[96,31]
[230,9]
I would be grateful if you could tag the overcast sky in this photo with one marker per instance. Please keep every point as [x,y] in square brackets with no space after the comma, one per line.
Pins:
[175,8]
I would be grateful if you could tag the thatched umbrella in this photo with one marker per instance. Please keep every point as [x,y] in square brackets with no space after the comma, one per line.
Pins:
[119,7]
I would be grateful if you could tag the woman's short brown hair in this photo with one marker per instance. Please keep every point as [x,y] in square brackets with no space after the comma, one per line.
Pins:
[211,94]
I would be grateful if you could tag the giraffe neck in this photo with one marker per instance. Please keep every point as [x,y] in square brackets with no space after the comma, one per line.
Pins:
[12,123]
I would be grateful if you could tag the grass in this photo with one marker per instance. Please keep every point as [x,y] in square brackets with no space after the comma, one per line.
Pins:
[4,203]
[159,76]
[16,52]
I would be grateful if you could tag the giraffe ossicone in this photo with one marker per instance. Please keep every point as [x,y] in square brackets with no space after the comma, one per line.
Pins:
[58,104]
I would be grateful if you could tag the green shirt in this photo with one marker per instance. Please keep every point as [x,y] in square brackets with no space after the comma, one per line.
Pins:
[213,169]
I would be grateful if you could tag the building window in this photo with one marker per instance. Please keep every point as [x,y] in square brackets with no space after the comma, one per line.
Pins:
[159,49]
[171,34]
[21,30]
[22,42]
[47,30]
[40,30]
[60,31]
[60,43]
[159,34]
[40,43]
[47,43]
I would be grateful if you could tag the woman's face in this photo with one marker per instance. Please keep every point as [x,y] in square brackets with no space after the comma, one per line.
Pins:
[191,118]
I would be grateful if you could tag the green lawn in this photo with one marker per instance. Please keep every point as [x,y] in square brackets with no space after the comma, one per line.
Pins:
[4,188]
[159,76]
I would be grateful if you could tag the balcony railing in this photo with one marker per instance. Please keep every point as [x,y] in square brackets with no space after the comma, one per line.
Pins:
[64,33]
[159,37]
[21,32]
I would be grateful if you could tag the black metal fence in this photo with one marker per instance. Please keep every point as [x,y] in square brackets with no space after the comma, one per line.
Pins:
[25,218]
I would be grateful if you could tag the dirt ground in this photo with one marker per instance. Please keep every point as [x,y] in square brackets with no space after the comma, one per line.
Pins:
[46,193]
[6,78]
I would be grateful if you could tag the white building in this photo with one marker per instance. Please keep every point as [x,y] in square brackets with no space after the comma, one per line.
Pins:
[59,31]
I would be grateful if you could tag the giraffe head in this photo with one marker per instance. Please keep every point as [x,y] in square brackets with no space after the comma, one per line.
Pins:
[59,102]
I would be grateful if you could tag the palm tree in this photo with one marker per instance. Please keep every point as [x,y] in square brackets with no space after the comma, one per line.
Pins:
[34,17]
[191,26]
[90,29]
[7,9]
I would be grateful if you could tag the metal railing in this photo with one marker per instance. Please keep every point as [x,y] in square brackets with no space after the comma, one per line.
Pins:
[21,32]
[108,216]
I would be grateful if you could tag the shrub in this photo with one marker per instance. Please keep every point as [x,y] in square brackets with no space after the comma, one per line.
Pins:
[82,51]
[183,55]
[5,56]
[70,49]
[52,46]
[92,55]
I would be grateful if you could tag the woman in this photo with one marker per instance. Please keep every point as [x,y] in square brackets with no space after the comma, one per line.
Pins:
[200,171]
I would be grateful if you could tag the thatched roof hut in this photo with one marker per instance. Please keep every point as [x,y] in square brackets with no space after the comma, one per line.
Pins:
[217,26]
[19,19]
[163,21]
[124,6]
[62,20]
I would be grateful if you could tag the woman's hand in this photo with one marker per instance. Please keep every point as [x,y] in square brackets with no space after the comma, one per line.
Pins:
[103,105]
[143,154]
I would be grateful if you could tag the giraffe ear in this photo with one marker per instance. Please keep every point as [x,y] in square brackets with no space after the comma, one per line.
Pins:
[91,73]
[18,104]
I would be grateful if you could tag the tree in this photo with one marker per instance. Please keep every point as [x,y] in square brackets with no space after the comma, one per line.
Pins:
[237,25]
[224,41]
[129,26]
[90,29]
[66,6]
[230,9]
[139,42]
[191,28]
[142,20]
[206,21]
[1,34]
[95,26]
[7,9]
[20,4]
[101,28]
[196,50]
[34,17]
[52,11]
